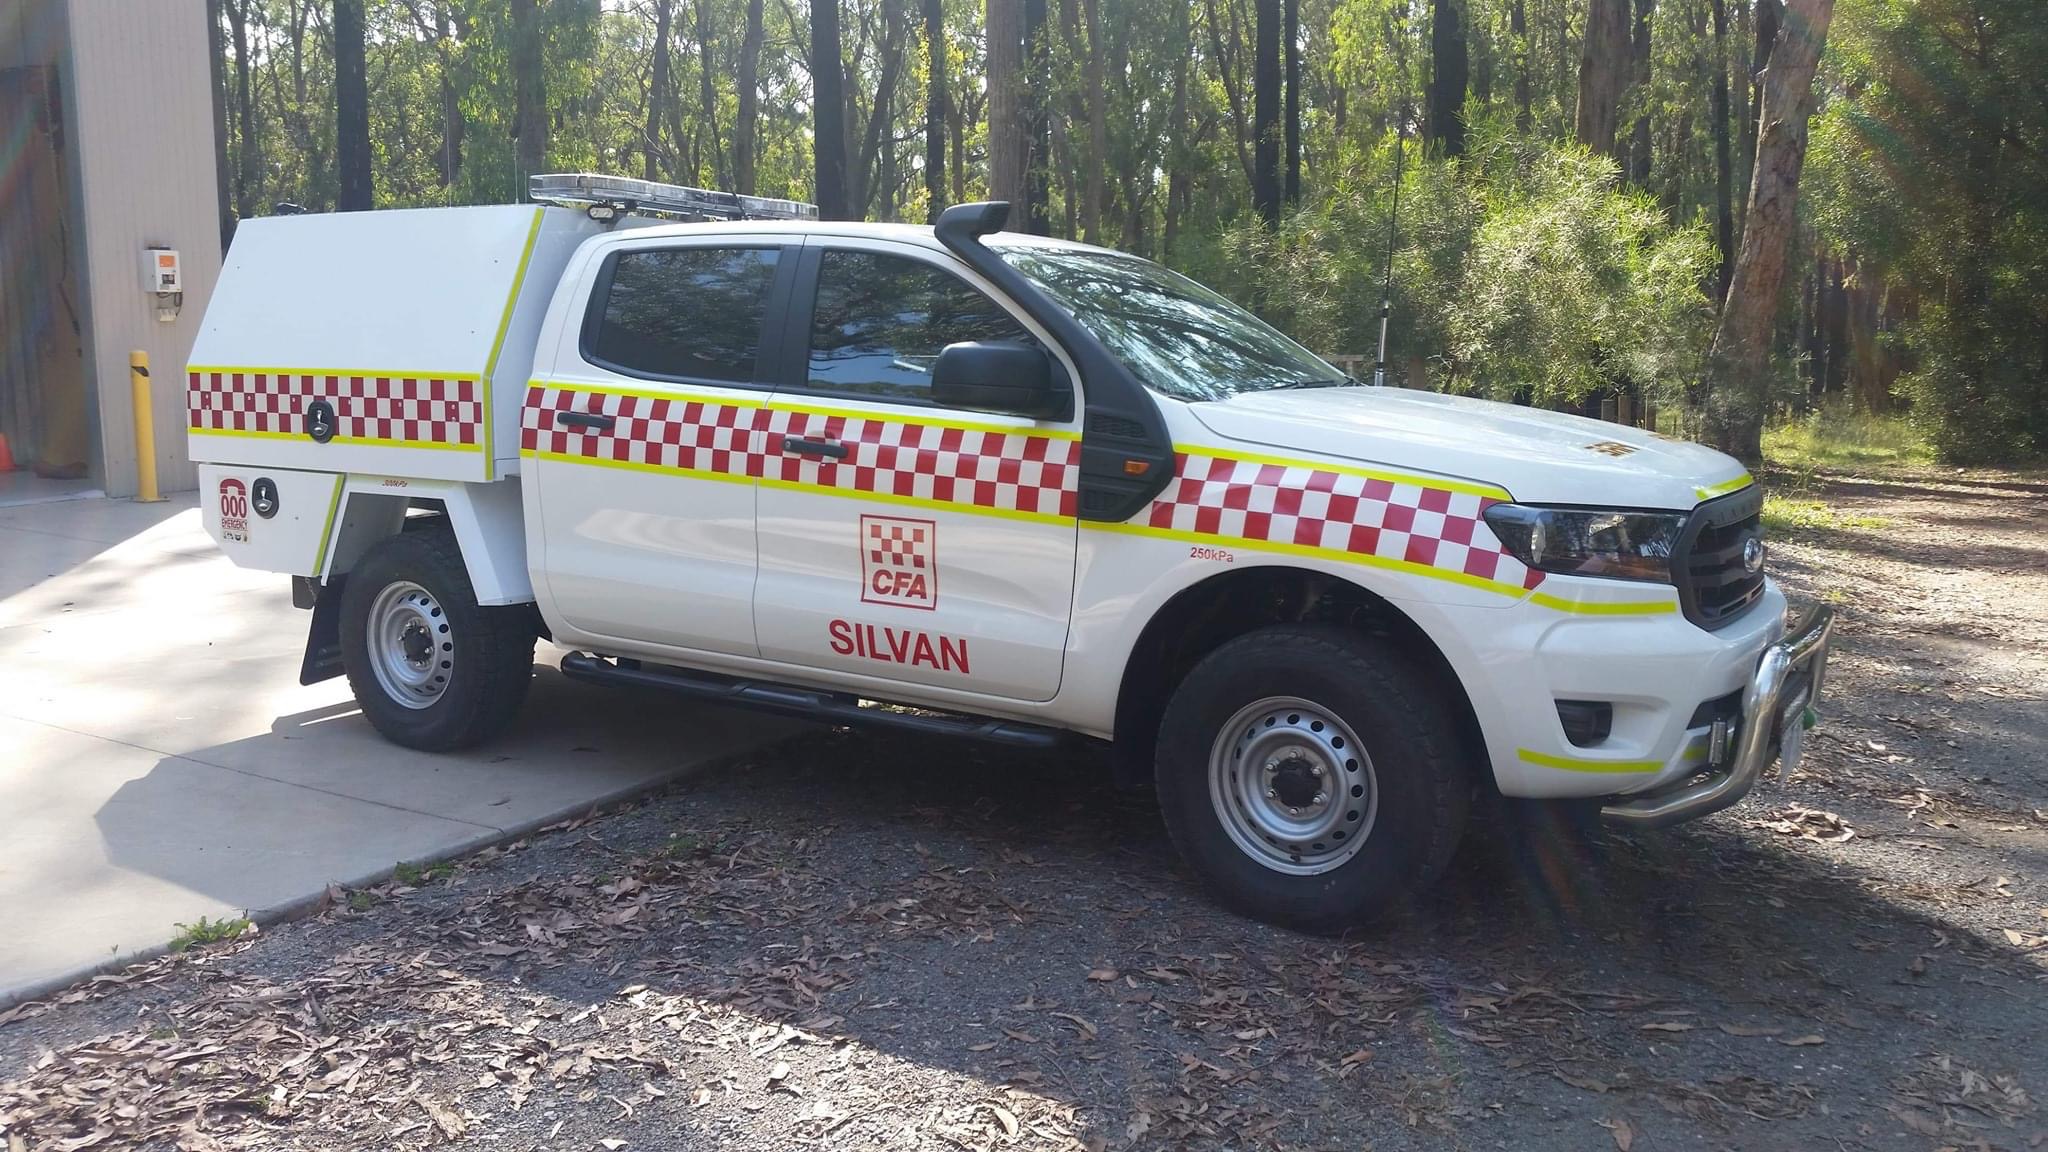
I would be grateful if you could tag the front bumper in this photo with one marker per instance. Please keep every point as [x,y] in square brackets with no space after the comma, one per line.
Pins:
[1786,681]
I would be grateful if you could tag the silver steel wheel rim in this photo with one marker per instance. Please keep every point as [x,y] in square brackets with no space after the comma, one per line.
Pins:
[412,648]
[1292,786]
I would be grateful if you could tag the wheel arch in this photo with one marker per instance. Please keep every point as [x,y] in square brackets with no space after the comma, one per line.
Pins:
[1203,616]
[486,519]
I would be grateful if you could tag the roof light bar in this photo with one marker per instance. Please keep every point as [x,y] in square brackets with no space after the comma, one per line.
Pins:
[616,194]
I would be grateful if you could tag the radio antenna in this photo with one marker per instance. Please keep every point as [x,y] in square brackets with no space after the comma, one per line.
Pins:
[1379,368]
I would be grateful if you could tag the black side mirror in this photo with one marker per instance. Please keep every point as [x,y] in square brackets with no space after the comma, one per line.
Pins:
[1021,379]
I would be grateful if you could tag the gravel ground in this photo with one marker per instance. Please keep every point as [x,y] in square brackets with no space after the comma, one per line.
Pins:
[869,941]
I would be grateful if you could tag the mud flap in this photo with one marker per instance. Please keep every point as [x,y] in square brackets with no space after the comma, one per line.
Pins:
[323,642]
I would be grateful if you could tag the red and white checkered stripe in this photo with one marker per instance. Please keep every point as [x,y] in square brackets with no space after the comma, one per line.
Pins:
[897,545]
[1005,471]
[409,409]
[1340,511]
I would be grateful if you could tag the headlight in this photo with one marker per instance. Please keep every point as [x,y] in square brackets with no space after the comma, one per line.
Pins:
[1574,542]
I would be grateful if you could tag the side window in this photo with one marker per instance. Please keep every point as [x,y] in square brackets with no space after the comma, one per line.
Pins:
[689,313]
[882,320]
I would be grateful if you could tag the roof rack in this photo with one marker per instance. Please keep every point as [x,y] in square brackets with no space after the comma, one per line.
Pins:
[608,197]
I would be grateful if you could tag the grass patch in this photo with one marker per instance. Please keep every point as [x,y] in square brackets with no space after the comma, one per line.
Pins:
[416,875]
[1795,516]
[204,931]
[1835,437]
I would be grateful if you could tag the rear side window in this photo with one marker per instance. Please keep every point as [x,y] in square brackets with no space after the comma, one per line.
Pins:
[882,320]
[688,313]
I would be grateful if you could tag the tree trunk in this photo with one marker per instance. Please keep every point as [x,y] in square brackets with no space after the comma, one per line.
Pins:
[1290,33]
[1069,130]
[1095,172]
[956,123]
[1518,26]
[216,50]
[657,88]
[828,110]
[1740,37]
[1724,175]
[746,130]
[1177,175]
[1444,103]
[935,110]
[1007,145]
[1639,140]
[1740,359]
[878,142]
[351,108]
[1225,55]
[529,92]
[707,93]
[1266,110]
[1770,15]
[248,137]
[1603,73]
[1037,122]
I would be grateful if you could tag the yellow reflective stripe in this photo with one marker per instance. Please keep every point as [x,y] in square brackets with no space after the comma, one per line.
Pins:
[367,373]
[1724,487]
[637,466]
[781,405]
[371,441]
[800,486]
[498,341]
[777,404]
[1289,548]
[1569,764]
[1605,607]
[1470,489]
[333,506]
[708,396]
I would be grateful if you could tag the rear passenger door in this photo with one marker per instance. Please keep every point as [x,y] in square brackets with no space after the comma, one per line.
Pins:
[899,540]
[640,438]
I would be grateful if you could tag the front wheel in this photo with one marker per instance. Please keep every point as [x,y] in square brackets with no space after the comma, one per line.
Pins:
[1312,776]
[431,668]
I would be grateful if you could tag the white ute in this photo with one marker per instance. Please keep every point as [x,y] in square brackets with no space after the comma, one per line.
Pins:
[1028,487]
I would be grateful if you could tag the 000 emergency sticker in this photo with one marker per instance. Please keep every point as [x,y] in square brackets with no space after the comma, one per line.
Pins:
[234,511]
[899,562]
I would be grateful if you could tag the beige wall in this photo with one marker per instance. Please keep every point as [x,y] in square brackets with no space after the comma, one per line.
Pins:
[144,116]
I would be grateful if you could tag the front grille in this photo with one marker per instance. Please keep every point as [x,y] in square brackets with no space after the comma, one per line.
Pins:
[1714,586]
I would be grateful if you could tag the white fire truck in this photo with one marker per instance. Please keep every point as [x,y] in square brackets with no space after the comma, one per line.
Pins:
[1029,489]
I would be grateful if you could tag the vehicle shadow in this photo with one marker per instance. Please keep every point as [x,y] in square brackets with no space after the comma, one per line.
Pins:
[943,905]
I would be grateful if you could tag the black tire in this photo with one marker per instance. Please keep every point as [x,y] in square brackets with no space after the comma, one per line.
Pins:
[488,667]
[1416,765]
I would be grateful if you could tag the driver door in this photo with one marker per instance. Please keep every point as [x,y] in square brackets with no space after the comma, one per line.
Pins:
[899,540]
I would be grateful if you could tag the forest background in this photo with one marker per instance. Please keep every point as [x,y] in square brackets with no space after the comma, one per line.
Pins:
[1726,211]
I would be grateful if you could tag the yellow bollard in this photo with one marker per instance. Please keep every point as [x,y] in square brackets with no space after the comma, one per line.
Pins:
[145,429]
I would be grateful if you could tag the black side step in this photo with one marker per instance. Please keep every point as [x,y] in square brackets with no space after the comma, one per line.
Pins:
[807,703]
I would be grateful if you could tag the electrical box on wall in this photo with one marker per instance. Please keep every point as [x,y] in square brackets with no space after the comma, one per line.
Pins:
[160,271]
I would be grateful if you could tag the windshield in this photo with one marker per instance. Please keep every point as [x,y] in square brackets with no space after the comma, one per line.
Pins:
[1176,336]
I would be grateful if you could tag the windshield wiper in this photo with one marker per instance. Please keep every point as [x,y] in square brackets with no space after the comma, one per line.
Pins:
[1339,382]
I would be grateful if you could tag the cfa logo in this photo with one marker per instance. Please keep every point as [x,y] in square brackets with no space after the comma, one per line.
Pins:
[899,562]
[234,511]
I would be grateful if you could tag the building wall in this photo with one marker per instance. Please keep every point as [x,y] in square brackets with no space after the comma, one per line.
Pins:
[144,114]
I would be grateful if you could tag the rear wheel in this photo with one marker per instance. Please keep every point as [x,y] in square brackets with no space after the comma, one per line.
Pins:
[432,668]
[1311,776]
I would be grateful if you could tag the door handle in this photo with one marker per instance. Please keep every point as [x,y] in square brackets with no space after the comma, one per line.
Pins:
[595,420]
[832,448]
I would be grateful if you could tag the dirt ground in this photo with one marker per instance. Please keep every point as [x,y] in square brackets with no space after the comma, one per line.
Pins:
[871,941]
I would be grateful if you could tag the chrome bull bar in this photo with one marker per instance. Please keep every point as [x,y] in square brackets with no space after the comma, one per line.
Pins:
[1787,680]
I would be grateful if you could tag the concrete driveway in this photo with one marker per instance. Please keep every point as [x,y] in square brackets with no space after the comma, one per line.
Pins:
[159,761]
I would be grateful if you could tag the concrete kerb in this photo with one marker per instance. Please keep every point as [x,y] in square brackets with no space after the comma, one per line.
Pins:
[312,903]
